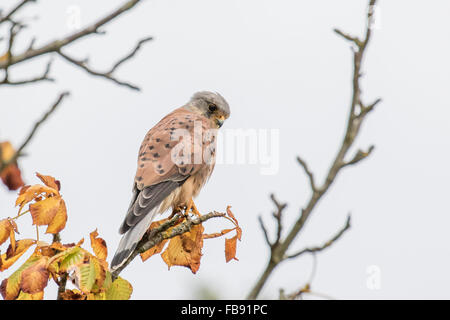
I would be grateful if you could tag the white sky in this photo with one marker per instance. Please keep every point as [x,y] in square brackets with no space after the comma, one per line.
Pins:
[280,66]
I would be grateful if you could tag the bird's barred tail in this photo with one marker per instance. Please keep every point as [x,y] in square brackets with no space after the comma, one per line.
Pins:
[131,238]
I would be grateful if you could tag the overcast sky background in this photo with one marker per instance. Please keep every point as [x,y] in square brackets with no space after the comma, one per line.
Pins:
[280,66]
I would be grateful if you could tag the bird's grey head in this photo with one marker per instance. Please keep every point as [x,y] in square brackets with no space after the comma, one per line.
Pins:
[210,105]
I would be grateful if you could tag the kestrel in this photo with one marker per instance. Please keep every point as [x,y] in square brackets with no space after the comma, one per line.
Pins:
[175,160]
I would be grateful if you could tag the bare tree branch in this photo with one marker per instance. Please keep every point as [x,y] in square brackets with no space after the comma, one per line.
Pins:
[18,6]
[327,244]
[308,173]
[57,45]
[36,126]
[357,114]
[108,74]
[43,77]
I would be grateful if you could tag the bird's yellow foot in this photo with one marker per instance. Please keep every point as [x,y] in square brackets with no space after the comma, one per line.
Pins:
[192,207]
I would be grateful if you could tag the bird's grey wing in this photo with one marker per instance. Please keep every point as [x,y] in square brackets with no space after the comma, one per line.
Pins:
[143,201]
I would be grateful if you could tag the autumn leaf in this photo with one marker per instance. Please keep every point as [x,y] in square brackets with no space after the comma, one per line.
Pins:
[44,211]
[35,277]
[186,249]
[154,250]
[159,247]
[98,245]
[5,230]
[230,244]
[10,175]
[12,256]
[230,249]
[120,289]
[27,296]
[29,193]
[59,221]
[100,267]
[49,181]
[10,287]
[74,256]
[85,276]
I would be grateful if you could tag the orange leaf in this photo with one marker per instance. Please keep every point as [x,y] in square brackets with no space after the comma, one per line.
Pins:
[59,221]
[98,245]
[11,255]
[230,249]
[152,251]
[5,230]
[238,228]
[35,277]
[185,250]
[29,193]
[44,211]
[49,181]
[217,234]
[158,248]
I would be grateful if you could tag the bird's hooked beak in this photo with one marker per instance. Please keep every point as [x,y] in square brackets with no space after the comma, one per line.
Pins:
[220,121]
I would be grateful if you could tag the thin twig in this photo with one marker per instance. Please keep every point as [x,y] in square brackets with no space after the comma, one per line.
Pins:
[36,126]
[43,77]
[108,74]
[327,244]
[57,45]
[9,15]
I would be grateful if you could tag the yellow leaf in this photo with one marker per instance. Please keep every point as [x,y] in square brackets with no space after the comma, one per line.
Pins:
[35,277]
[59,221]
[120,289]
[98,245]
[44,211]
[5,230]
[27,296]
[29,193]
[9,257]
[185,250]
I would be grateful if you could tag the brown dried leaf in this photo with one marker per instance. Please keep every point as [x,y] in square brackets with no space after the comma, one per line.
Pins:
[98,245]
[12,177]
[185,250]
[35,277]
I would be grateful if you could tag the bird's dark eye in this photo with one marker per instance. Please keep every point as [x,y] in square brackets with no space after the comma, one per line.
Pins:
[212,107]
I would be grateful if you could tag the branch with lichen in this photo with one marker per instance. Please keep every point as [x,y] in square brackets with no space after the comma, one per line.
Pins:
[155,236]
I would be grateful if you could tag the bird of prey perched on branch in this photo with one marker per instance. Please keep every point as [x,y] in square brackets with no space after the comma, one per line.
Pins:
[175,160]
